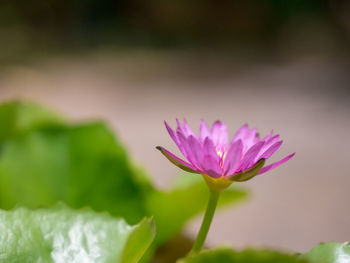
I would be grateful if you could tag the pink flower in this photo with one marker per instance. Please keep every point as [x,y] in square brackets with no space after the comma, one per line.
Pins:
[213,155]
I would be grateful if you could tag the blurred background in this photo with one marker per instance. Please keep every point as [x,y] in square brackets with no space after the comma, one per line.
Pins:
[270,63]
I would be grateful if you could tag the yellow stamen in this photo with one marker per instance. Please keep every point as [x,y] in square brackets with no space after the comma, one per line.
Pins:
[221,152]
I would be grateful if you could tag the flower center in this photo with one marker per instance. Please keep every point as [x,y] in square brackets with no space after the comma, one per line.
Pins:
[221,152]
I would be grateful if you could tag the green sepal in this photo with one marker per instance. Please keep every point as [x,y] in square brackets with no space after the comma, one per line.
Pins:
[248,174]
[174,161]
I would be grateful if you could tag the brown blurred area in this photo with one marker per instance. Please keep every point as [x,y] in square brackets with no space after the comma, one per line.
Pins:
[135,64]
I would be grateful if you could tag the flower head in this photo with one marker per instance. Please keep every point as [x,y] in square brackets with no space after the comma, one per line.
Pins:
[211,154]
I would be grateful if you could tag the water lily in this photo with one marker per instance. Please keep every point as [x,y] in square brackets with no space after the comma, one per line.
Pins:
[211,154]
[221,161]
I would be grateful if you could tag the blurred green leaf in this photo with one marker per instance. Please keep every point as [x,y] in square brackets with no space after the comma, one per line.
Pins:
[61,234]
[188,198]
[329,253]
[18,117]
[226,255]
[139,241]
[81,165]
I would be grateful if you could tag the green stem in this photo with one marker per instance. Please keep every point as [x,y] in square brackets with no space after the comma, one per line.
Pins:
[208,217]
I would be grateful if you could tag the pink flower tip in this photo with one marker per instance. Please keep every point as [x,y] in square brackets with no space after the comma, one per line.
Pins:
[212,154]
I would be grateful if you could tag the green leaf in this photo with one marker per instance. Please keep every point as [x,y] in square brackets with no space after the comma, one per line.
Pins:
[226,255]
[139,240]
[81,165]
[61,234]
[329,253]
[171,210]
[18,117]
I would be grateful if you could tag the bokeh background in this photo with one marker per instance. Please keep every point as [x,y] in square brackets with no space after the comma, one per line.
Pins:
[274,64]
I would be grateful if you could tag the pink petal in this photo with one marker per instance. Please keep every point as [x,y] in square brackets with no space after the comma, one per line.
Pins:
[181,137]
[274,165]
[219,133]
[269,152]
[248,137]
[180,128]
[185,148]
[211,167]
[267,137]
[249,156]
[203,130]
[241,133]
[171,133]
[176,139]
[196,149]
[177,161]
[209,149]
[187,129]
[233,157]
[252,136]
[269,142]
